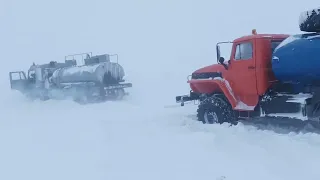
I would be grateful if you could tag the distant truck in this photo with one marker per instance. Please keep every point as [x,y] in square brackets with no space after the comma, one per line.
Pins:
[267,75]
[97,80]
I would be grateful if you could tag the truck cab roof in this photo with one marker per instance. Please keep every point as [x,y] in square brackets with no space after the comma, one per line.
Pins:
[258,36]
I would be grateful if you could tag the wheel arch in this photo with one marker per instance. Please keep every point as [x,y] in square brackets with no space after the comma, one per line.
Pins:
[218,86]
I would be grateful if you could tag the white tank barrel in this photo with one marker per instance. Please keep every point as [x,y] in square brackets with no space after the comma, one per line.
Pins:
[100,73]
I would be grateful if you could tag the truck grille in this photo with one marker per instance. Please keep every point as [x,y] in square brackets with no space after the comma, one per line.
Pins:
[206,75]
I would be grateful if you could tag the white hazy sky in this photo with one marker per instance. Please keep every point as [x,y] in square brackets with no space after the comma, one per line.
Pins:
[175,34]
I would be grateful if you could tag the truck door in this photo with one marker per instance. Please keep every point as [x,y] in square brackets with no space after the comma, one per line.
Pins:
[18,80]
[243,73]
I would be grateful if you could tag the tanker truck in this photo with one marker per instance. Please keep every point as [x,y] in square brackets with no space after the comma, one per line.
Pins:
[268,76]
[98,79]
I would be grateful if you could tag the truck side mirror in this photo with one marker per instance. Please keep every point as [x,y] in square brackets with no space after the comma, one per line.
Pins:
[221,61]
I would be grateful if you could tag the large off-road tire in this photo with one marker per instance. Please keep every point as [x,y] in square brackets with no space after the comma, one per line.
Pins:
[216,110]
[310,20]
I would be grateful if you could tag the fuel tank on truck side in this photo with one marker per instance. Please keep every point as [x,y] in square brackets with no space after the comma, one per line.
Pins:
[297,59]
[99,73]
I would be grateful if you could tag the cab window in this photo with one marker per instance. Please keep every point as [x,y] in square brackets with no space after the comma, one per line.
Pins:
[244,51]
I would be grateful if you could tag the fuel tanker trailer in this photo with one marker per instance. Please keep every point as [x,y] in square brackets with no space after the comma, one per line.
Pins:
[98,79]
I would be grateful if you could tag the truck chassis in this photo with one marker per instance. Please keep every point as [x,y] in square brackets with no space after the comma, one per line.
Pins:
[275,107]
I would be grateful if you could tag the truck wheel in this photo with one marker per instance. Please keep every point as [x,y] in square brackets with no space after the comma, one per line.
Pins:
[310,21]
[215,110]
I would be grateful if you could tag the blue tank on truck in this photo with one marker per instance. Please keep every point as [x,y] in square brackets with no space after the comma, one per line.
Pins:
[297,59]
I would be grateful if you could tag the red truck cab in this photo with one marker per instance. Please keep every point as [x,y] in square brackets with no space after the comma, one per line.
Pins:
[245,77]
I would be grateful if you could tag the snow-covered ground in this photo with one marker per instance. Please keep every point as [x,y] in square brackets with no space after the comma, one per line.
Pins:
[124,140]
[159,43]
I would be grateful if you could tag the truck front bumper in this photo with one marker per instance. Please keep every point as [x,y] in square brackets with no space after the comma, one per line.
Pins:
[185,98]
